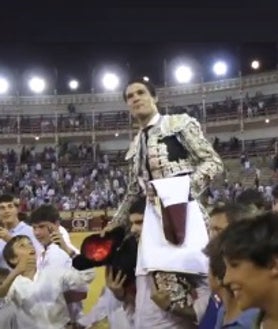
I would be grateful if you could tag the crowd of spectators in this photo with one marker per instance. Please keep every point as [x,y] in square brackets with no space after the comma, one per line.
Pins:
[39,178]
[97,182]
[93,185]
[234,146]
[259,105]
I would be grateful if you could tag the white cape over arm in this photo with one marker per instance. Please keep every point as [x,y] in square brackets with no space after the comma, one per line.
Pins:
[155,252]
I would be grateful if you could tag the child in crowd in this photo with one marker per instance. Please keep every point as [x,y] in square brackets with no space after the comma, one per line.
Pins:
[38,294]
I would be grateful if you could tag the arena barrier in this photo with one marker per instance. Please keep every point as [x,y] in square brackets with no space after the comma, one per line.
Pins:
[85,220]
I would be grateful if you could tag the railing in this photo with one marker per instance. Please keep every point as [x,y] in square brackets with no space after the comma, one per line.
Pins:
[97,121]
[258,147]
[85,220]
[35,125]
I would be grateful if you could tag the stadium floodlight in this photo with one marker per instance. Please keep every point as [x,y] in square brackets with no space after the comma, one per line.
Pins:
[183,74]
[4,85]
[37,84]
[220,68]
[110,81]
[255,64]
[147,79]
[73,84]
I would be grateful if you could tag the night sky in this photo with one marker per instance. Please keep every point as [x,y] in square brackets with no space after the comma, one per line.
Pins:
[76,40]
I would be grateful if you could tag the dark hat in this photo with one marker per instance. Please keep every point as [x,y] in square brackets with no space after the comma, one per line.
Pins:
[125,258]
[114,249]
[100,249]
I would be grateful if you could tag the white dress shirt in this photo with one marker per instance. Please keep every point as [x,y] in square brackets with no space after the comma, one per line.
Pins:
[66,238]
[111,308]
[149,315]
[54,256]
[152,122]
[8,317]
[42,301]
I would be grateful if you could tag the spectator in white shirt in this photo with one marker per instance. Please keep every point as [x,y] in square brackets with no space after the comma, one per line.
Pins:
[249,112]
[57,253]
[51,192]
[66,205]
[11,226]
[247,165]
[45,220]
[39,294]
[116,184]
[38,168]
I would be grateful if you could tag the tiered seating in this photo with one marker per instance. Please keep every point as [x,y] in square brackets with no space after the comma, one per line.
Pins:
[117,120]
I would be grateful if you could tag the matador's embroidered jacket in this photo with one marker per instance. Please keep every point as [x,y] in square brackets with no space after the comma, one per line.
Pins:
[175,145]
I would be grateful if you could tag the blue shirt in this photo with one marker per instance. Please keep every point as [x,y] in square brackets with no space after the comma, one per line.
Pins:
[244,321]
[209,319]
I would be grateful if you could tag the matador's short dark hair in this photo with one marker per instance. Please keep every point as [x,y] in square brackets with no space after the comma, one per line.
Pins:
[147,84]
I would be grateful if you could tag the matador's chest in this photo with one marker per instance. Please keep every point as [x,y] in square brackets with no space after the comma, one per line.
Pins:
[166,154]
[166,147]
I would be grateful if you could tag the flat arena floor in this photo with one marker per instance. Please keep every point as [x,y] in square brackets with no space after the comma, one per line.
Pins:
[97,285]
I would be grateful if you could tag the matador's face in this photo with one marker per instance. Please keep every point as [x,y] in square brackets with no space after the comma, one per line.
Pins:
[139,100]
[136,221]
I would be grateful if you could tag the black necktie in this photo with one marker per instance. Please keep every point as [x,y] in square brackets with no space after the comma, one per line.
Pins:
[145,167]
